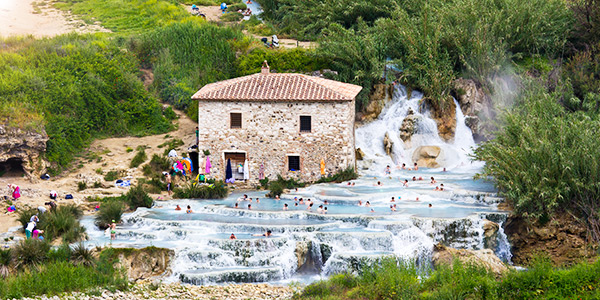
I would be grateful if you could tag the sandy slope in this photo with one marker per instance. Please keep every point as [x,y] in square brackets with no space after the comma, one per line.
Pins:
[114,156]
[22,17]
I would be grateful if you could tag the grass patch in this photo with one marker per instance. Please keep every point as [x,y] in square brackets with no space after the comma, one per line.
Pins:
[60,276]
[392,279]
[139,158]
[217,190]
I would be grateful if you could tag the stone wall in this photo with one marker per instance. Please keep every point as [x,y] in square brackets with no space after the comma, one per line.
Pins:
[26,147]
[271,131]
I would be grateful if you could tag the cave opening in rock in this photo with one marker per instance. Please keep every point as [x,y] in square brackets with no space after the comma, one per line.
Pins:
[13,167]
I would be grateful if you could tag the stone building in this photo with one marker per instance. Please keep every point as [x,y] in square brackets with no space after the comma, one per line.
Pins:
[286,122]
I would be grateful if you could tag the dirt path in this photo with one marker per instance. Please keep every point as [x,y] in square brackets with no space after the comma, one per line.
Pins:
[105,155]
[38,18]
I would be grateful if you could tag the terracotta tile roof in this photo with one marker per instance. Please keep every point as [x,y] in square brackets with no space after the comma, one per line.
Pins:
[278,86]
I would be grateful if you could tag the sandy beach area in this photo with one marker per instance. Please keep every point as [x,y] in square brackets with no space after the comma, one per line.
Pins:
[38,18]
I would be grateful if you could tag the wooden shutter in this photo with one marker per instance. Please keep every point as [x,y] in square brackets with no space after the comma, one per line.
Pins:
[236,120]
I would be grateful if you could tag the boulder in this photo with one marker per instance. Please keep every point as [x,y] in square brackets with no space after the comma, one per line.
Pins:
[426,156]
[485,258]
[388,145]
[490,234]
[144,263]
[359,154]
[379,97]
[407,129]
[23,150]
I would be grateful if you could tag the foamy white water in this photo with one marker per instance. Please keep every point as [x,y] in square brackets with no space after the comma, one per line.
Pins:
[349,235]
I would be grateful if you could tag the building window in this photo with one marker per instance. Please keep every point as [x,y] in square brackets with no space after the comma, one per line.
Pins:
[236,120]
[294,163]
[305,124]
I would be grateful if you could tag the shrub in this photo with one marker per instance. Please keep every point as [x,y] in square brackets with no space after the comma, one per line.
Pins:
[231,17]
[138,159]
[109,210]
[5,260]
[217,190]
[276,189]
[344,175]
[157,165]
[137,197]
[80,255]
[111,176]
[31,252]
[62,222]
[81,185]
[61,253]
[237,6]
[25,215]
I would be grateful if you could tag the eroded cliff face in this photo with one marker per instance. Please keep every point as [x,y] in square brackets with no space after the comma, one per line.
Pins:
[24,148]
[379,97]
[563,239]
[144,263]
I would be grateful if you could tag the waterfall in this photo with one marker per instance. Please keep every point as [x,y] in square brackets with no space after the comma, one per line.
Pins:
[307,245]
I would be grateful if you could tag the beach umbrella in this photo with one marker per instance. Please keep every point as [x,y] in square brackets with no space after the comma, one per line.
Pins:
[207,166]
[246,170]
[261,171]
[322,167]
[228,173]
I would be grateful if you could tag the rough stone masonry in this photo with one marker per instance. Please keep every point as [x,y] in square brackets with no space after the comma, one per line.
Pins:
[272,108]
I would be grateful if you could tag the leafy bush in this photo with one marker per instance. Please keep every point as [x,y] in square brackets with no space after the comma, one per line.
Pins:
[61,253]
[31,252]
[5,260]
[25,215]
[344,175]
[87,76]
[139,158]
[276,189]
[237,6]
[112,175]
[231,17]
[137,197]
[185,56]
[80,255]
[217,190]
[280,60]
[109,210]
[156,166]
[81,185]
[62,222]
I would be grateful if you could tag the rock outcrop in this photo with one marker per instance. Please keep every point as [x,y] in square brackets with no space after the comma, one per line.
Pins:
[23,150]
[444,116]
[426,156]
[379,97]
[359,154]
[564,240]
[407,129]
[484,258]
[388,145]
[477,107]
[490,234]
[144,263]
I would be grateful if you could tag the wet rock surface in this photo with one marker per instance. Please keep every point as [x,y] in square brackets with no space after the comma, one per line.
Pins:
[426,156]
[379,97]
[407,129]
[484,258]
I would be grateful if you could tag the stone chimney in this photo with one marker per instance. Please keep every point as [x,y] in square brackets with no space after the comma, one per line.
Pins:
[265,68]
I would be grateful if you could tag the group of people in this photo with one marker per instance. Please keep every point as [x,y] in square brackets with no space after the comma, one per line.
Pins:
[187,211]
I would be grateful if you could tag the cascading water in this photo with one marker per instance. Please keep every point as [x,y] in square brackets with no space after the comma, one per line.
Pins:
[307,245]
